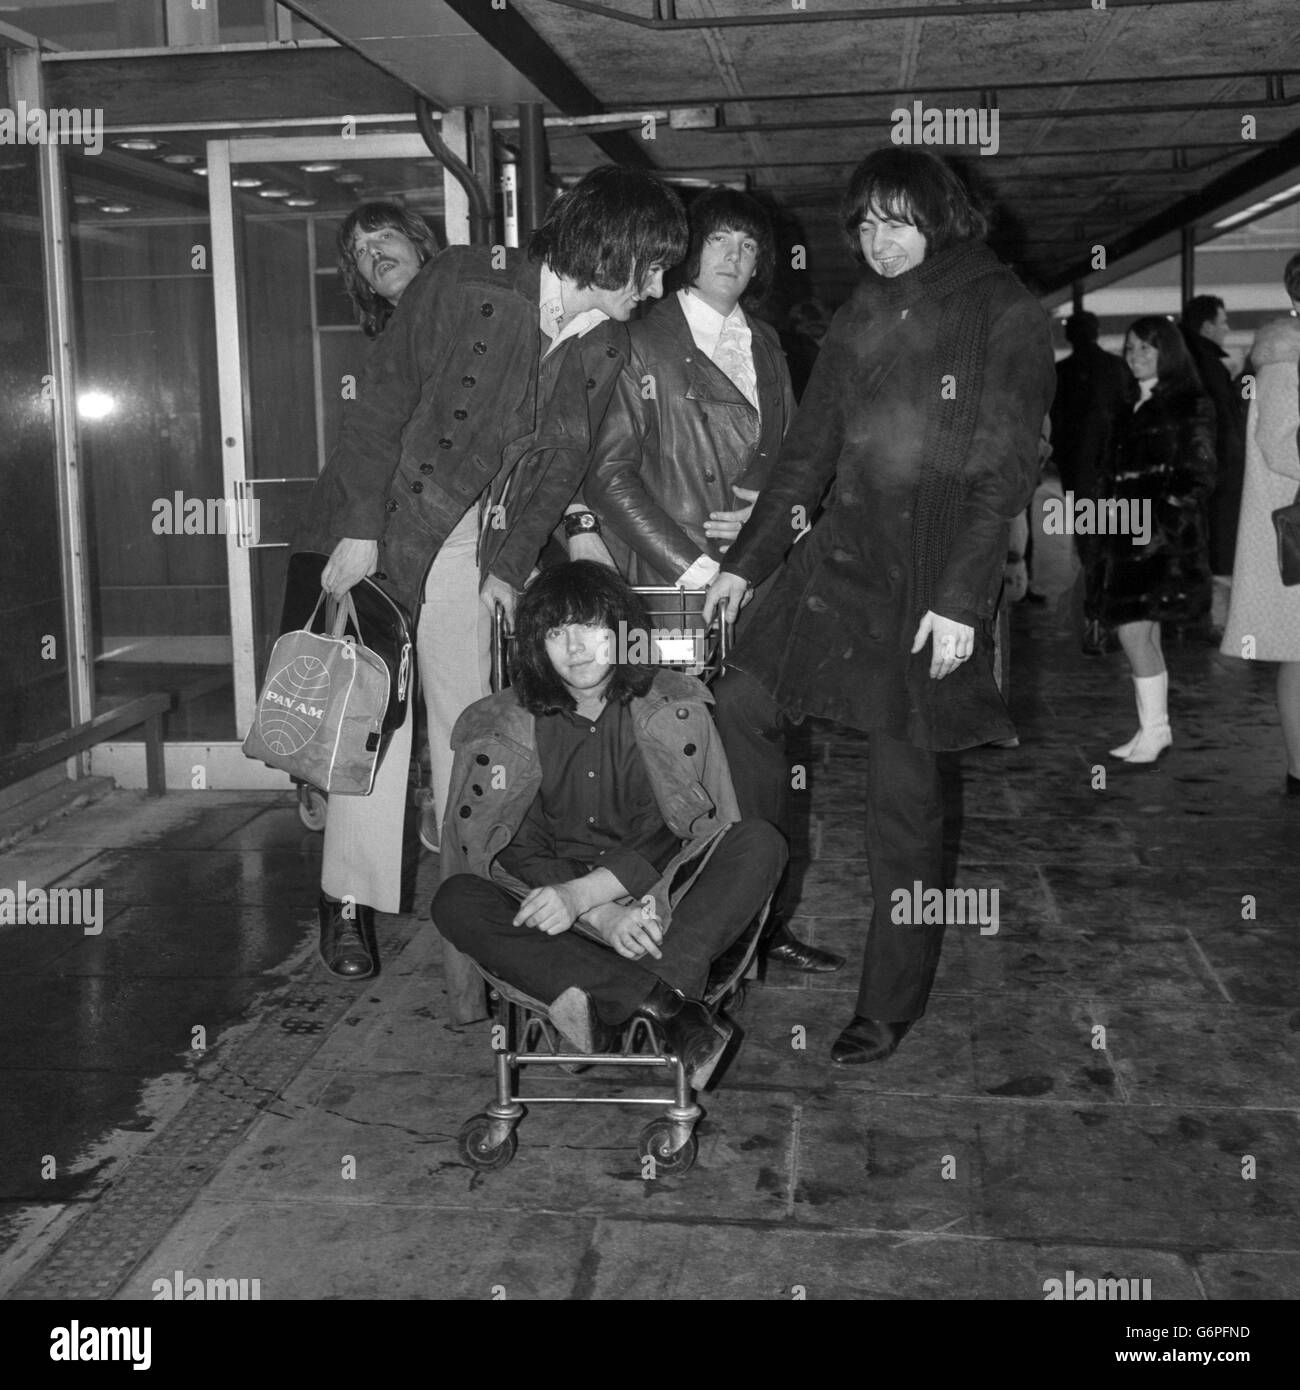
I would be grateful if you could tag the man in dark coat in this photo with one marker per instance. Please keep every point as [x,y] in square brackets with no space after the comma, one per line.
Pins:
[925,410]
[696,422]
[472,424]
[1205,330]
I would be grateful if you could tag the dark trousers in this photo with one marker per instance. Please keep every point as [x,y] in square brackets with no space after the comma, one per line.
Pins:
[904,834]
[475,914]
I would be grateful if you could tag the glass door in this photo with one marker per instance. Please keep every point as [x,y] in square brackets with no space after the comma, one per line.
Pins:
[288,345]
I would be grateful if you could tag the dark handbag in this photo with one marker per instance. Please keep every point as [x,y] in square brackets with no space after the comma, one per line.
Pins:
[1286,522]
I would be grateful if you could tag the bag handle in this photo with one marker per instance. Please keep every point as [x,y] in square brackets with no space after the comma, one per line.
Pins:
[344,611]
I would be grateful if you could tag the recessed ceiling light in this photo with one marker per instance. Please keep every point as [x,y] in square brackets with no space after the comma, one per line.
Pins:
[300,202]
[201,170]
[246,183]
[180,159]
[83,198]
[115,207]
[321,167]
[139,143]
[349,178]
[274,192]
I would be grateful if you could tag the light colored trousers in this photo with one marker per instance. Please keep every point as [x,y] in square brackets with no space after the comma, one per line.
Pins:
[363,834]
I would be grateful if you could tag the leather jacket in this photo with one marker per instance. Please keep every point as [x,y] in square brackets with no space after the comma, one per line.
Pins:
[497,775]
[448,407]
[677,438]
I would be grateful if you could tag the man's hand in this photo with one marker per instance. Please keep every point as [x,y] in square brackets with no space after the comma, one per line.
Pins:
[953,643]
[724,527]
[496,591]
[1016,579]
[631,930]
[729,593]
[351,562]
[551,910]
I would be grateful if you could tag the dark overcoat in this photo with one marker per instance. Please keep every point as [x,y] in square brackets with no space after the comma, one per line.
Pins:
[678,437]
[833,638]
[448,407]
[1164,456]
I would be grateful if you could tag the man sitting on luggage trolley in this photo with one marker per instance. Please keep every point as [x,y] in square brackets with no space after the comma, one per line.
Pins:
[594,856]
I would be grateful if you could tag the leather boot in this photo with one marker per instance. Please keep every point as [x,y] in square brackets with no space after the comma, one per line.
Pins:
[689,1029]
[347,944]
[1153,735]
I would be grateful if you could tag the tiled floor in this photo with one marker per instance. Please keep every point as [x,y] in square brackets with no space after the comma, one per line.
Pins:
[1106,1084]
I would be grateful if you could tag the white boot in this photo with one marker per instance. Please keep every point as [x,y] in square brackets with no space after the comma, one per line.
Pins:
[1154,735]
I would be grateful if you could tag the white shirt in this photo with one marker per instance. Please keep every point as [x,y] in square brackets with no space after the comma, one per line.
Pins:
[726,340]
[551,311]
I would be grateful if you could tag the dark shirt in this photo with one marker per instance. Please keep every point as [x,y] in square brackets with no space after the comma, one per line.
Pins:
[596,807]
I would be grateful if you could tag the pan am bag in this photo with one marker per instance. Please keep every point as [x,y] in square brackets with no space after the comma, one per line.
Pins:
[322,715]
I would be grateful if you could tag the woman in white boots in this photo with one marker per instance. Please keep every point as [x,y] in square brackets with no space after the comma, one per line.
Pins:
[1264,616]
[1153,557]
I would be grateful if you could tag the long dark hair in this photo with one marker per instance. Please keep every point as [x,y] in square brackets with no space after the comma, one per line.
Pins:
[581,591]
[372,309]
[916,187]
[1175,370]
[723,209]
[610,227]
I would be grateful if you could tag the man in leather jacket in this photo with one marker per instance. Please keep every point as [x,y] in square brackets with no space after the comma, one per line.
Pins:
[694,426]
[594,855]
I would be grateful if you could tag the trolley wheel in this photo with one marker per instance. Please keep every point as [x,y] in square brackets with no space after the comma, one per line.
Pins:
[313,806]
[657,1142]
[472,1141]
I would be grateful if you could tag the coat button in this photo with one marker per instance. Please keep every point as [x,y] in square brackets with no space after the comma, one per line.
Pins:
[481,759]
[905,515]
[464,813]
[895,572]
[417,486]
[467,381]
[683,714]
[611,352]
[486,310]
[689,750]
[710,477]
[591,383]
[478,791]
[390,505]
[444,444]
[480,349]
[426,468]
[460,414]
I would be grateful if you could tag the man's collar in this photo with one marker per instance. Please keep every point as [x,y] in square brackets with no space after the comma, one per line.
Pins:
[704,316]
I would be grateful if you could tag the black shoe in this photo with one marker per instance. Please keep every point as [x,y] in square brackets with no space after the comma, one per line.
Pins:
[347,944]
[689,1029]
[868,1040]
[783,948]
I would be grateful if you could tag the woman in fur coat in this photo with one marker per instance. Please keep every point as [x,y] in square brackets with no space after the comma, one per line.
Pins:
[1153,557]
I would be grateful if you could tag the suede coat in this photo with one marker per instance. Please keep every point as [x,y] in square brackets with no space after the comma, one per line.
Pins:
[497,775]
[1163,462]
[456,401]
[833,638]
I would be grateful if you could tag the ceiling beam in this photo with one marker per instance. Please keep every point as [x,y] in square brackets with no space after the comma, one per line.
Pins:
[1236,183]
[528,53]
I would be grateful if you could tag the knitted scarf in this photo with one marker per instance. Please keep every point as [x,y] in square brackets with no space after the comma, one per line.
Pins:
[961,280]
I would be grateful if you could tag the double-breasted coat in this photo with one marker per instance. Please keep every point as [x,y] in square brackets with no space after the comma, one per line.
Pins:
[448,408]
[833,638]
[678,437]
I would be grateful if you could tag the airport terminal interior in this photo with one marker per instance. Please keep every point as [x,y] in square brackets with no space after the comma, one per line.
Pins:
[1104,1085]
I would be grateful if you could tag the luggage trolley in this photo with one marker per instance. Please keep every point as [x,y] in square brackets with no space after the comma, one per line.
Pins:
[529,1036]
